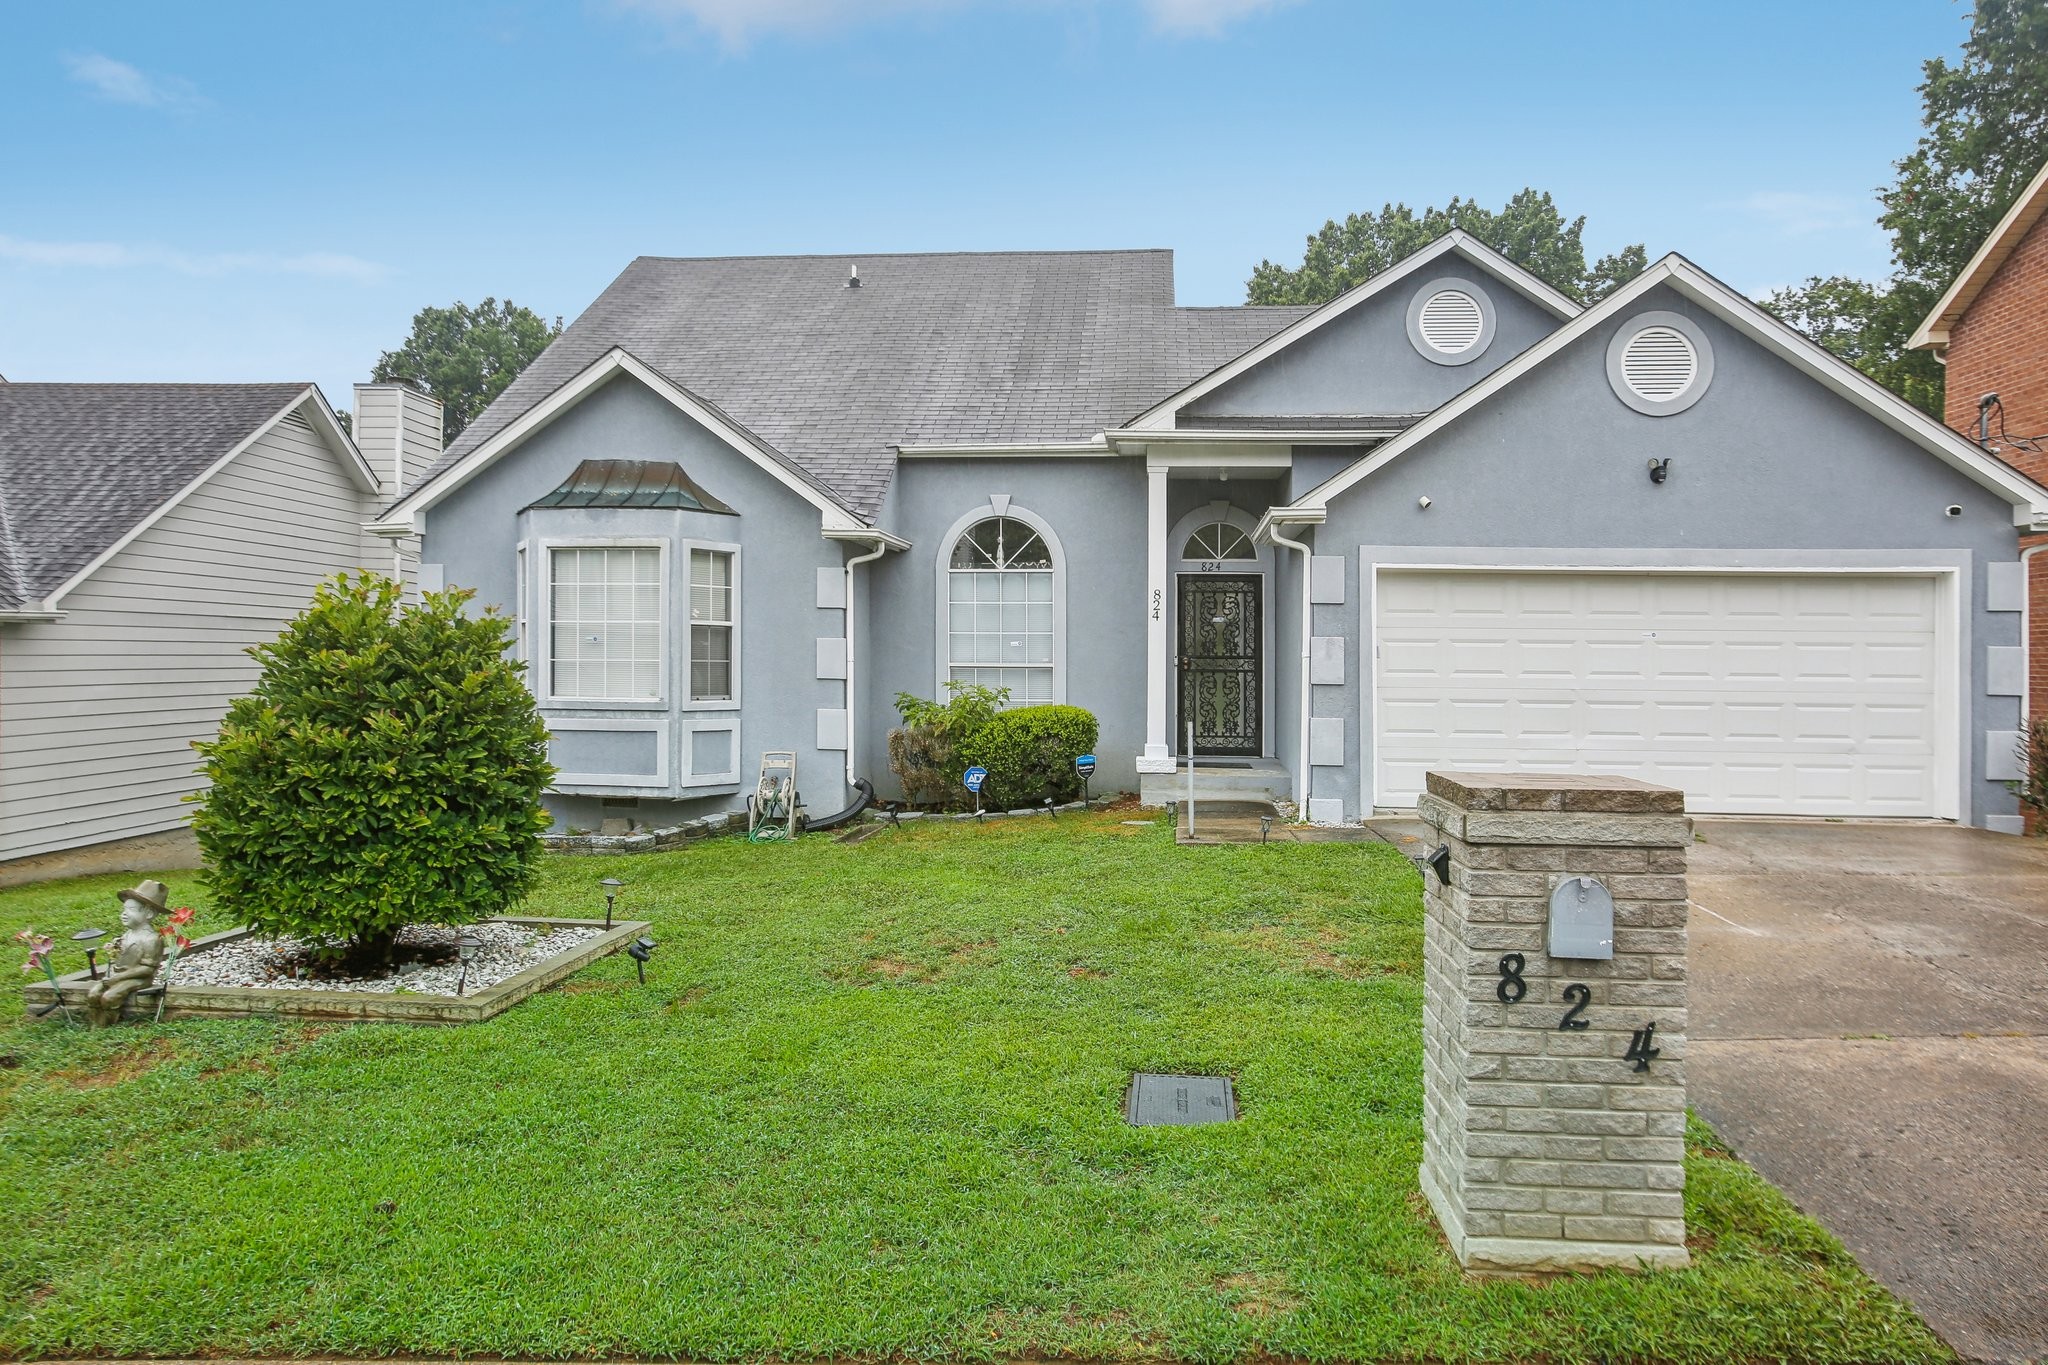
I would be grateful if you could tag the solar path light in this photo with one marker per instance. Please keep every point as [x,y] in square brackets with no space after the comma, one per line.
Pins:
[611,887]
[640,949]
[86,936]
[465,953]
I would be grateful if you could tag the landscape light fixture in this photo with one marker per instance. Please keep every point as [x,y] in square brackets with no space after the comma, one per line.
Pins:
[86,936]
[611,887]
[465,953]
[640,949]
[1051,809]
[1265,828]
[1439,861]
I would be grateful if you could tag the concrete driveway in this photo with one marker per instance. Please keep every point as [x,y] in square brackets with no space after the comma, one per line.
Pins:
[1869,1029]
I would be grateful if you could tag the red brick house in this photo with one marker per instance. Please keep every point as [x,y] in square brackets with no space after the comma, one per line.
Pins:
[1991,331]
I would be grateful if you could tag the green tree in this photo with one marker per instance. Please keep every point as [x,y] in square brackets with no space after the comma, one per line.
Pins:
[385,771]
[1528,230]
[466,356]
[1984,122]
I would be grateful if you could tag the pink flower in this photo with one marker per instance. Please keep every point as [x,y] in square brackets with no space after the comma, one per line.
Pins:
[39,946]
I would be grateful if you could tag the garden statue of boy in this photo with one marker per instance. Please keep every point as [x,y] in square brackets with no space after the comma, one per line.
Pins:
[137,954]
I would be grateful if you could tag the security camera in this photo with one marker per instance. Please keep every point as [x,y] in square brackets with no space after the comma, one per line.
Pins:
[1955,509]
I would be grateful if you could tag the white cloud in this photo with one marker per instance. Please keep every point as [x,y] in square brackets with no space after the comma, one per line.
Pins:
[117,256]
[734,23]
[120,83]
[1799,214]
[1204,18]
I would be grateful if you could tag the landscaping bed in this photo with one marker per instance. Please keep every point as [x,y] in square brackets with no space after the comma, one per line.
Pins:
[236,974]
[868,1104]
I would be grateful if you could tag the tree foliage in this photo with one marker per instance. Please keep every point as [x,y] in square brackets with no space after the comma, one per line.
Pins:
[1528,230]
[385,771]
[466,356]
[1984,122]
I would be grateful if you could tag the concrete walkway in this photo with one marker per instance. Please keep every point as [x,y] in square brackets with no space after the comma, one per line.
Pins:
[1869,1029]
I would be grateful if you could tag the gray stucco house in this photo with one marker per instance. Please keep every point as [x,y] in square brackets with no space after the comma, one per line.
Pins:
[1448,519]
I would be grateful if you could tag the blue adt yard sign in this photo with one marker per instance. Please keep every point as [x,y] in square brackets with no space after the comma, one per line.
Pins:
[1085,765]
[974,777]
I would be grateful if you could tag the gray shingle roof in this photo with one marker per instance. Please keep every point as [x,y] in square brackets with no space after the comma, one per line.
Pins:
[1015,346]
[82,464]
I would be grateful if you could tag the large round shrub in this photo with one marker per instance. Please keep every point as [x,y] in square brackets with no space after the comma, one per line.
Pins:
[1029,753]
[386,771]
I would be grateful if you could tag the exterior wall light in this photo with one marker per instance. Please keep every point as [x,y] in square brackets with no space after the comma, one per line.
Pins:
[611,887]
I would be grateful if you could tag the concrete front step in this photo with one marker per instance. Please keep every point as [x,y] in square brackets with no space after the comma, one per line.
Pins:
[1266,782]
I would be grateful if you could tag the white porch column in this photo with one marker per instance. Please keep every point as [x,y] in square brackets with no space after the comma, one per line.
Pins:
[1158,755]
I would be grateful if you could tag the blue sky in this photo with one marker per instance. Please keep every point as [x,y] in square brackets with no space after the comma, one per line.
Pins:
[269,191]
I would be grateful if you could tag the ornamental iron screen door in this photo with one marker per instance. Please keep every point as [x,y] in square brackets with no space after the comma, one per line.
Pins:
[1219,662]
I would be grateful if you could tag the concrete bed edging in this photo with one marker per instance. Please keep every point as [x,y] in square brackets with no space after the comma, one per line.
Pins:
[241,1002]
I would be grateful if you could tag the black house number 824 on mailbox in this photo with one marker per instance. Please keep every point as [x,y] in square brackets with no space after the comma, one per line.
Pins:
[1582,928]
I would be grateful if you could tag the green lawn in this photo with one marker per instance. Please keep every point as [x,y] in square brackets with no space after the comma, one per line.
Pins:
[866,1105]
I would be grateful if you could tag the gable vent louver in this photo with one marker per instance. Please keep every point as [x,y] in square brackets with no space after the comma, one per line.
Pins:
[1451,321]
[1659,364]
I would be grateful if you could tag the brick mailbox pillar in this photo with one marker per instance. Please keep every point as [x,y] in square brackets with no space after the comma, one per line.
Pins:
[1554,1086]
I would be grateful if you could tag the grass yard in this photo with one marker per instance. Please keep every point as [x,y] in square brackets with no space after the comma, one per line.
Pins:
[867,1105]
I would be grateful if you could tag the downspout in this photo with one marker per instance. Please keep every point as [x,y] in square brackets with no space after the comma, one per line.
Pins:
[852,717]
[2027,633]
[1307,630]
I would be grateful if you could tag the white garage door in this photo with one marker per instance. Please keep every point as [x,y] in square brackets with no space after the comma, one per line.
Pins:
[1779,694]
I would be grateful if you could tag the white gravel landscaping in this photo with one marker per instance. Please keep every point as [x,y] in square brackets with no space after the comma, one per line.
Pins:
[505,951]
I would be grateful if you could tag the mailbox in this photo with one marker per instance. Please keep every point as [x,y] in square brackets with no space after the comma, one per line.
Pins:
[1581,919]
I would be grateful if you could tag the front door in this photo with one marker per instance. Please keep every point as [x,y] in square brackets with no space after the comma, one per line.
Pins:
[1219,663]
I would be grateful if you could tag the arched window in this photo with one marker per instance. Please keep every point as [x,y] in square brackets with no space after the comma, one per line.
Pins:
[999,610]
[1219,540]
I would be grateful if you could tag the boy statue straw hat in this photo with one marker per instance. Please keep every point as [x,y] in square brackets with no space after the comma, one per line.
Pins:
[137,954]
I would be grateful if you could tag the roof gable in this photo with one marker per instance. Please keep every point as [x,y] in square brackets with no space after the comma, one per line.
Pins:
[451,475]
[85,468]
[2019,220]
[1456,249]
[2028,499]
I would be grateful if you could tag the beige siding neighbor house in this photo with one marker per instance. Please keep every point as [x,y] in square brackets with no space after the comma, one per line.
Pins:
[149,534]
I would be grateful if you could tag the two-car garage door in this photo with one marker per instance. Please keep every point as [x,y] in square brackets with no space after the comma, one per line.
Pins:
[1782,694]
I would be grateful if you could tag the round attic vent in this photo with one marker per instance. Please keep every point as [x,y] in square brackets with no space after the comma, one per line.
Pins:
[1659,363]
[1450,321]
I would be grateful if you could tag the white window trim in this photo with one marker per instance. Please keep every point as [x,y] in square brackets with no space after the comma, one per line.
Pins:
[522,609]
[943,671]
[664,745]
[687,732]
[684,701]
[544,586]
